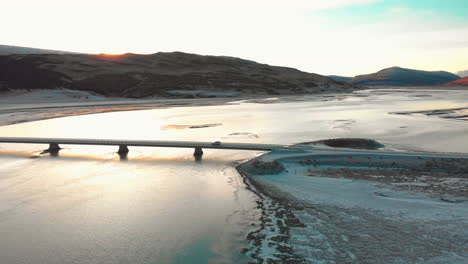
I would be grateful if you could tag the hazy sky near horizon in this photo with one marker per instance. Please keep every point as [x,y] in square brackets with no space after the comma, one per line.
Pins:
[344,37]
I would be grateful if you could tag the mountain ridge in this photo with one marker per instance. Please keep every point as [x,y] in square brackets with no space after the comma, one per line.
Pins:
[158,74]
[11,50]
[461,82]
[398,76]
[340,78]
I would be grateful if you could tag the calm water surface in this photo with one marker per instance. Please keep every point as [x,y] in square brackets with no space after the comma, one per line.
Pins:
[159,205]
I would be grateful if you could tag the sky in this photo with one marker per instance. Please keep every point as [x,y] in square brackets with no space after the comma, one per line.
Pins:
[342,37]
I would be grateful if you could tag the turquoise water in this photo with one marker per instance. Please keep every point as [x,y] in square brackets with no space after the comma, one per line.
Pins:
[199,252]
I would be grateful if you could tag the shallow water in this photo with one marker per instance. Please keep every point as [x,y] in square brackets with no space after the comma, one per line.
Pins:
[159,205]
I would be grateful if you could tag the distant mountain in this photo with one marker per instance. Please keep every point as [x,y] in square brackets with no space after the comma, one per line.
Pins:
[462,82]
[10,50]
[174,74]
[397,76]
[340,78]
[462,73]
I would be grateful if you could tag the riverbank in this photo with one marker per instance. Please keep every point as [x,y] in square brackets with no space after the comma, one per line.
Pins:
[25,106]
[21,106]
[329,208]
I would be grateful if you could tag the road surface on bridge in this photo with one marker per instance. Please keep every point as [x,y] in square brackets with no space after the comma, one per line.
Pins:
[123,144]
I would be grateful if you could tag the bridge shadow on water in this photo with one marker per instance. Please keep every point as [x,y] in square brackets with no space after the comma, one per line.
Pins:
[110,157]
[52,153]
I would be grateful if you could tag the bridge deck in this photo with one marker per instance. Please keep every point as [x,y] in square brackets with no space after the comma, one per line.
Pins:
[144,143]
[211,145]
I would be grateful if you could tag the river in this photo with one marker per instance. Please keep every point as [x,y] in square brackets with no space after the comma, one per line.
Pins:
[159,205]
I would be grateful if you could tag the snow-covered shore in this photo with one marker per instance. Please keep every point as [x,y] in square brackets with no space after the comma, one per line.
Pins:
[310,216]
[26,106]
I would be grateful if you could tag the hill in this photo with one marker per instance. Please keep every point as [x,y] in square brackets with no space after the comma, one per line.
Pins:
[462,82]
[160,74]
[10,50]
[397,76]
[340,78]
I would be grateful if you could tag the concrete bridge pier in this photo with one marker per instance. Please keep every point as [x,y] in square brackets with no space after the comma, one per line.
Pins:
[53,147]
[123,149]
[198,152]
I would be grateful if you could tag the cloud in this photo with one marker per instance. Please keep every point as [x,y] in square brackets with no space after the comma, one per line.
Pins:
[401,36]
[90,25]
[52,6]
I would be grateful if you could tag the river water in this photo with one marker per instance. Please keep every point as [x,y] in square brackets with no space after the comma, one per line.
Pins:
[159,205]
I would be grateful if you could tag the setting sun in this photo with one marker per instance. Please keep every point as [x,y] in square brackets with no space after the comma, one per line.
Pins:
[110,54]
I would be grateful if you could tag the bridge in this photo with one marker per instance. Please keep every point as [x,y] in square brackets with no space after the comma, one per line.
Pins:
[54,144]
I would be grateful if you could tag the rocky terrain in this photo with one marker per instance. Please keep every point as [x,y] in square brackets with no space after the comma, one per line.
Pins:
[462,81]
[356,143]
[396,76]
[173,74]
[349,206]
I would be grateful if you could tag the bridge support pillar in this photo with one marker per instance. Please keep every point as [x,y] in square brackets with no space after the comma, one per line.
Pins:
[53,147]
[198,152]
[123,149]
